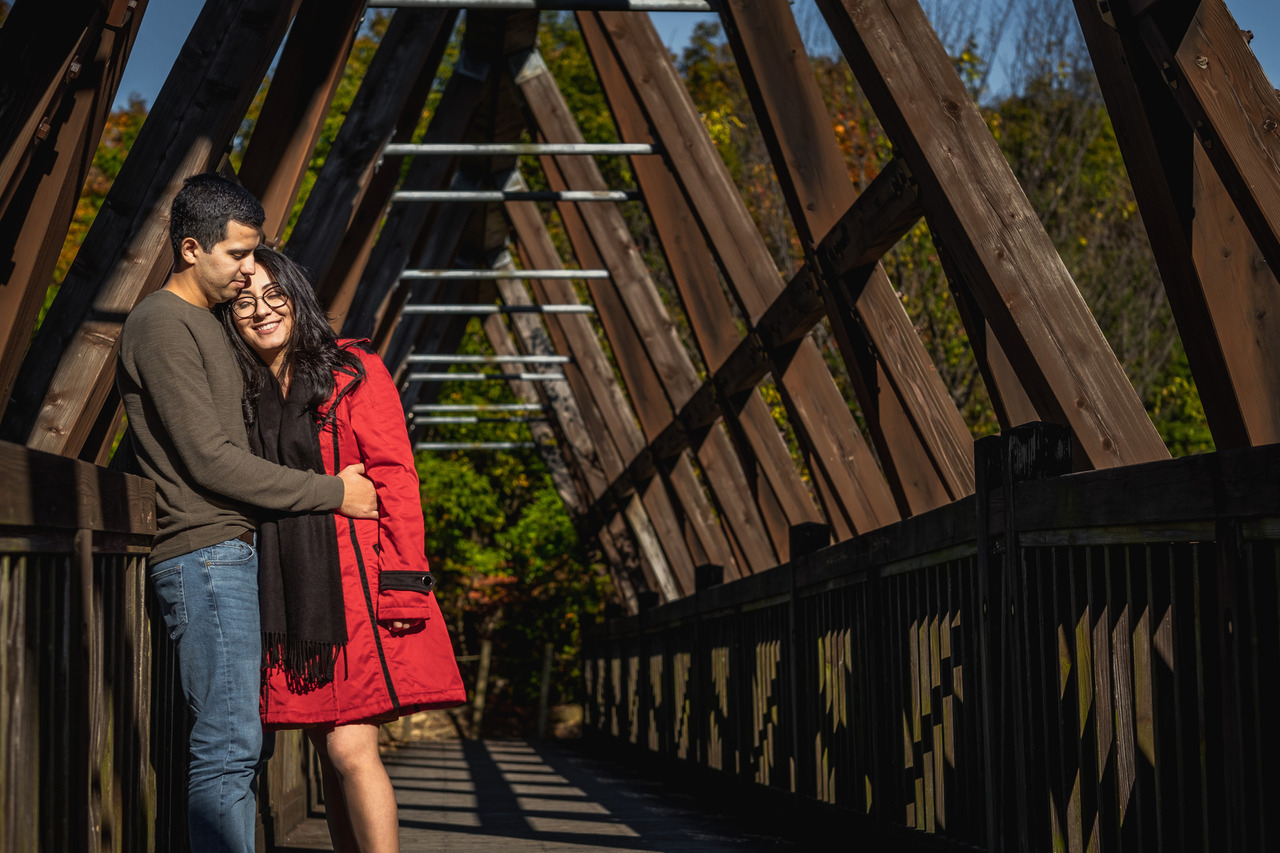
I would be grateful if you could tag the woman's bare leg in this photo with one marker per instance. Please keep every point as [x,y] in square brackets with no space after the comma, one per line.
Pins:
[368,819]
[335,804]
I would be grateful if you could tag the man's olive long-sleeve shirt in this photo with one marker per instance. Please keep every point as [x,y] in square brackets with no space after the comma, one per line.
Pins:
[181,389]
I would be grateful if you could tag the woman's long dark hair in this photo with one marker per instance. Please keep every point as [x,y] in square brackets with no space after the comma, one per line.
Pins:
[312,353]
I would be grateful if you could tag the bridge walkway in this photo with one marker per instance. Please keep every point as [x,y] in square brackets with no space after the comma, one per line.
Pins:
[521,796]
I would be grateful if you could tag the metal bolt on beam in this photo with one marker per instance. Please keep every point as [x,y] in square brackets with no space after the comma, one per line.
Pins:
[499,309]
[499,275]
[518,148]
[510,195]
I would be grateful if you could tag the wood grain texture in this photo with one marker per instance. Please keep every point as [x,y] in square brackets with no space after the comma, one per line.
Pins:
[1234,109]
[39,203]
[617,301]
[1156,143]
[923,442]
[625,44]
[1243,302]
[194,117]
[975,205]
[293,114]
[50,491]
[387,106]
[616,426]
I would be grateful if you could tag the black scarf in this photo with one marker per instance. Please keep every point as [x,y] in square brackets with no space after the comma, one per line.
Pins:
[299,576]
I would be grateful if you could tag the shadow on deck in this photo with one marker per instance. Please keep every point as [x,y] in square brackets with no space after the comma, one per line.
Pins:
[518,796]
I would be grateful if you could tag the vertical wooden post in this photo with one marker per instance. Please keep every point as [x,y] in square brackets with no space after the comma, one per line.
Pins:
[482,688]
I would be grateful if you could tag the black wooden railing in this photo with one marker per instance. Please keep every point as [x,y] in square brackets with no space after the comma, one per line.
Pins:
[92,722]
[1055,663]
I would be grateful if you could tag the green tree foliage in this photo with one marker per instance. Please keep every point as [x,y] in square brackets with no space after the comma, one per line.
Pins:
[511,565]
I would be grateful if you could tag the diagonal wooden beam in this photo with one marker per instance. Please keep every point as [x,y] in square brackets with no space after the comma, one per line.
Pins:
[1222,293]
[351,193]
[975,206]
[297,104]
[126,254]
[394,251]
[1226,98]
[614,428]
[852,487]
[570,485]
[760,444]
[933,458]
[34,224]
[728,483]
[659,373]
[39,43]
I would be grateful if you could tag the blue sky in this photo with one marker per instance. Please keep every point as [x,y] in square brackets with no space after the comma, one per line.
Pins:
[167,22]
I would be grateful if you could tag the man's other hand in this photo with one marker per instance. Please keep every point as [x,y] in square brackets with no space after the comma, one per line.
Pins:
[359,500]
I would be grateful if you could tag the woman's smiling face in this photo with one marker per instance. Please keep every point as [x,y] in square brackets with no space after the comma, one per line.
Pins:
[264,317]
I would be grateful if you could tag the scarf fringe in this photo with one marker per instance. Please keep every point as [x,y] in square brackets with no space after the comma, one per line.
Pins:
[307,665]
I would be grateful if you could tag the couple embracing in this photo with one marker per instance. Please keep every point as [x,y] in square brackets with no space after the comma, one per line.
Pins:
[288,560]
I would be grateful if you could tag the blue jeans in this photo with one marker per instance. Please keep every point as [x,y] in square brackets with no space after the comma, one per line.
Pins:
[210,603]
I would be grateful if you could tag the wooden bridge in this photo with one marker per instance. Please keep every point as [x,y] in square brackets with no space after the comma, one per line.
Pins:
[1055,638]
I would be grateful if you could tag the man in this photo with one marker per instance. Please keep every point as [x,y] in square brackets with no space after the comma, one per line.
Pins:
[182,392]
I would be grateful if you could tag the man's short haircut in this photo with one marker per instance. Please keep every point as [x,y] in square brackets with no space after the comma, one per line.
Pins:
[204,206]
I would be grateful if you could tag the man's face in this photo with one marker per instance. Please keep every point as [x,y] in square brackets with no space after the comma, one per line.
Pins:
[222,271]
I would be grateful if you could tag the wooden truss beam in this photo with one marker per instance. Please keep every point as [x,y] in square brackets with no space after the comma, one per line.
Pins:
[41,201]
[931,461]
[579,445]
[69,368]
[612,421]
[760,445]
[659,373]
[1226,98]
[394,250]
[1223,294]
[297,103]
[852,488]
[975,207]
[351,193]
[568,483]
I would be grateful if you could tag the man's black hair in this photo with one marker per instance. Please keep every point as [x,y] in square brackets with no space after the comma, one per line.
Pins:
[204,206]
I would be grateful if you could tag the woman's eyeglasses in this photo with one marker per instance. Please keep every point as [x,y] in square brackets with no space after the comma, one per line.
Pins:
[245,307]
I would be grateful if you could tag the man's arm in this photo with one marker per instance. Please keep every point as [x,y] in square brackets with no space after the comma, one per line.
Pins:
[172,372]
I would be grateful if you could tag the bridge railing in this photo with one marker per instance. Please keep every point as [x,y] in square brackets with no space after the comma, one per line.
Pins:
[93,727]
[77,712]
[1057,662]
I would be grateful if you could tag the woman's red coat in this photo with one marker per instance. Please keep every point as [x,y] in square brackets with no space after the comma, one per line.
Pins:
[378,674]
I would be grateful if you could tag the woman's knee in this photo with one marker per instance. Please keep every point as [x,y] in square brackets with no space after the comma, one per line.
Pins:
[352,748]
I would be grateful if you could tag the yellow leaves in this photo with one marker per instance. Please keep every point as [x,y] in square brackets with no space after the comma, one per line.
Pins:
[720,123]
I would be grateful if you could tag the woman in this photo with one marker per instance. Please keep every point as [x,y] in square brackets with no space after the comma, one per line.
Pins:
[352,637]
